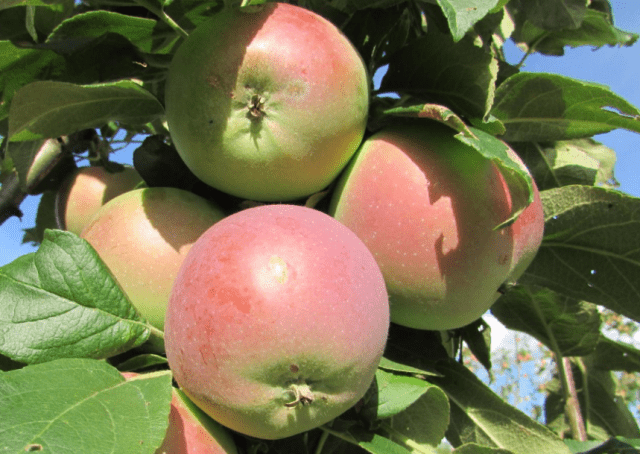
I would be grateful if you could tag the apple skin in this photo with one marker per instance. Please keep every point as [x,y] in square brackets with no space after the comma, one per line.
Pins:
[527,230]
[277,321]
[267,105]
[86,190]
[190,430]
[143,236]
[426,205]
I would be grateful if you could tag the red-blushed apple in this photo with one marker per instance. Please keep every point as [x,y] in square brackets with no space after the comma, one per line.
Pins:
[427,205]
[527,230]
[190,430]
[277,321]
[143,236]
[267,103]
[86,190]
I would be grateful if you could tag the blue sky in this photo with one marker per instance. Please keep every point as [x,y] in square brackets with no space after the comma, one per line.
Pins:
[618,68]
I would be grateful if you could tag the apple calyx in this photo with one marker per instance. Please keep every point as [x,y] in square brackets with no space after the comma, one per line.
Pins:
[302,395]
[256,106]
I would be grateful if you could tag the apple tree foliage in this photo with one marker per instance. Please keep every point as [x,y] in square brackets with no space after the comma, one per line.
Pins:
[79,79]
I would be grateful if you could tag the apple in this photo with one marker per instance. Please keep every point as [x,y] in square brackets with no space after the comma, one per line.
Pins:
[427,205]
[190,430]
[277,321]
[527,230]
[267,103]
[86,190]
[143,236]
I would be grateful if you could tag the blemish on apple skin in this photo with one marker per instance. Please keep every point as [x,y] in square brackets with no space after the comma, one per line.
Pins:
[294,368]
[278,268]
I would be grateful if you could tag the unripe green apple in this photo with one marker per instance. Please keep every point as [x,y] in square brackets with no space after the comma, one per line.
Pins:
[427,205]
[267,103]
[143,236]
[277,321]
[190,430]
[86,190]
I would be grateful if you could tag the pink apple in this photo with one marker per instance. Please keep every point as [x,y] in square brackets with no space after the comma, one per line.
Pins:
[277,321]
[427,205]
[267,103]
[143,236]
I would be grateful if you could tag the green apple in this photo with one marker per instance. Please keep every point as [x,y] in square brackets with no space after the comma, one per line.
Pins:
[277,321]
[143,236]
[267,103]
[427,205]
[86,190]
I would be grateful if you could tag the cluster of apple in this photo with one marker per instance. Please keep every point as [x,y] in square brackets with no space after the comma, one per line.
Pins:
[276,317]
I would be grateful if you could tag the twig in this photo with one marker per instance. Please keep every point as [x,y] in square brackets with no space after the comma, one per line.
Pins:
[163,16]
[572,404]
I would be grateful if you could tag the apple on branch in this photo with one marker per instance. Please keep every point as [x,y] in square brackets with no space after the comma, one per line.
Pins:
[267,103]
[143,236]
[427,206]
[87,189]
[277,321]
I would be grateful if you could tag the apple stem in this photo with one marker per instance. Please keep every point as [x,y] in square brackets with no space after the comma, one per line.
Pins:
[302,395]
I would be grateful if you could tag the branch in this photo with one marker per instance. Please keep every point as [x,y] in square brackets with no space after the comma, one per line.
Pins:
[572,404]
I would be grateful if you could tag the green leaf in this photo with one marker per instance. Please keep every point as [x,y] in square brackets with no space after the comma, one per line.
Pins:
[369,441]
[350,6]
[425,420]
[613,355]
[394,394]
[82,406]
[515,174]
[577,24]
[251,2]
[546,107]
[392,366]
[62,302]
[477,336]
[45,219]
[473,448]
[13,3]
[591,247]
[462,15]
[142,362]
[145,34]
[552,14]
[413,349]
[618,445]
[477,413]
[432,112]
[31,158]
[437,70]
[596,30]
[20,66]
[377,32]
[567,162]
[46,109]
[564,325]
